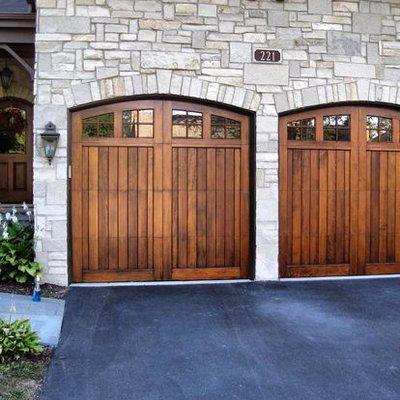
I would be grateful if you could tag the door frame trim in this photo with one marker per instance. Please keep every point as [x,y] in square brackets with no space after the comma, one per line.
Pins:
[252,161]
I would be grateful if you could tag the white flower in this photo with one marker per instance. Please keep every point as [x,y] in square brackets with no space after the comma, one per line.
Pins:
[25,206]
[14,219]
[8,216]
[5,234]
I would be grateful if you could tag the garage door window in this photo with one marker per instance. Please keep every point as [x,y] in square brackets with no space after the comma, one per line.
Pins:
[138,123]
[379,129]
[98,126]
[187,124]
[224,128]
[337,127]
[303,129]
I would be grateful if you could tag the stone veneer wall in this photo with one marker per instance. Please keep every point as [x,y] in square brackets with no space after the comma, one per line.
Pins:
[89,50]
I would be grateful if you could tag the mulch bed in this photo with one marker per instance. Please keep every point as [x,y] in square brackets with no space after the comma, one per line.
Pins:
[48,290]
[23,379]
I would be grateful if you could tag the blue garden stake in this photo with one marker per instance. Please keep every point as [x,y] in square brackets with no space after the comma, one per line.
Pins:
[36,289]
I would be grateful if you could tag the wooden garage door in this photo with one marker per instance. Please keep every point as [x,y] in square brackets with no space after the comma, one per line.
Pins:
[340,192]
[160,190]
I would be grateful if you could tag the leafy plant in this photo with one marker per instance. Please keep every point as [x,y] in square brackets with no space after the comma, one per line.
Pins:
[17,253]
[17,339]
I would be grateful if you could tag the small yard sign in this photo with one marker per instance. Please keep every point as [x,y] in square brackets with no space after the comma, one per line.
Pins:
[268,56]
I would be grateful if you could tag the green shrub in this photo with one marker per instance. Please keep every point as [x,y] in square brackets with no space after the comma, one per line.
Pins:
[17,339]
[17,253]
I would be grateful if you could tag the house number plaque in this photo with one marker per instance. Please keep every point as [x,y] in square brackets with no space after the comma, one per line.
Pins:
[268,56]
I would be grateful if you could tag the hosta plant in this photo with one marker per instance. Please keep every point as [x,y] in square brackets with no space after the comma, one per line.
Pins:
[17,339]
[17,253]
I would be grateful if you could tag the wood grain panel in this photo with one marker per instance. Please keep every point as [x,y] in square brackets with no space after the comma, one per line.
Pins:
[4,176]
[20,178]
[383,220]
[317,190]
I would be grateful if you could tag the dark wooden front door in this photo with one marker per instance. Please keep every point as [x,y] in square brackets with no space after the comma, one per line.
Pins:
[15,152]
[160,190]
[339,192]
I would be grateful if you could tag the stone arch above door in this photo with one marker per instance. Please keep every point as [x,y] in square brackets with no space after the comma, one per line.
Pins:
[162,82]
[17,92]
[359,90]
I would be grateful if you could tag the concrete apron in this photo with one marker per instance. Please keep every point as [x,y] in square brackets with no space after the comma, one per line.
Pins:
[45,316]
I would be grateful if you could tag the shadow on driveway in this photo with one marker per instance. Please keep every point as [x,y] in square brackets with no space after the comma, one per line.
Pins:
[248,341]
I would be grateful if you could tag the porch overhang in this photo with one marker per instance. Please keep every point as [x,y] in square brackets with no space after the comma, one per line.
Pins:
[17,28]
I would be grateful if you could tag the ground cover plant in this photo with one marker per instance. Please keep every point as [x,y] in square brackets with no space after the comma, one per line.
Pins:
[17,249]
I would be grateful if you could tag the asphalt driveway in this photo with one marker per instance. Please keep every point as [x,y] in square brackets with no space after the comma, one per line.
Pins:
[247,341]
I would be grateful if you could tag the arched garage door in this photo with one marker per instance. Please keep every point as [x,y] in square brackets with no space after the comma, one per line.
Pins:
[160,190]
[340,192]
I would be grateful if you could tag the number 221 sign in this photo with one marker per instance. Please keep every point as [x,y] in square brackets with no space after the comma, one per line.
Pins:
[268,56]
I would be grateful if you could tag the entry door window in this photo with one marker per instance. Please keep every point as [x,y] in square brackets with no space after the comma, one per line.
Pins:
[13,126]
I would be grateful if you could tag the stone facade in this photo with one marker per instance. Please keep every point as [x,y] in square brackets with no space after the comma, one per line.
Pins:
[89,50]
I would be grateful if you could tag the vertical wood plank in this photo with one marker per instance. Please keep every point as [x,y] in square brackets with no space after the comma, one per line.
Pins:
[103,208]
[237,228]
[175,222]
[122,208]
[142,207]
[211,208]
[93,208]
[133,207]
[374,207]
[113,208]
[340,207]
[305,207]
[85,208]
[296,207]
[390,206]
[314,199]
[192,207]
[347,183]
[323,203]
[182,207]
[220,207]
[201,207]
[331,214]
[150,208]
[229,208]
[383,203]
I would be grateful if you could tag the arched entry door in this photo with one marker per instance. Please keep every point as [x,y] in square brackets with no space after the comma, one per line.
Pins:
[160,190]
[340,192]
[15,151]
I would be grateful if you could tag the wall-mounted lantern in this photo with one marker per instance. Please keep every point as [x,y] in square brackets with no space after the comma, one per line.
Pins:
[50,140]
[6,76]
